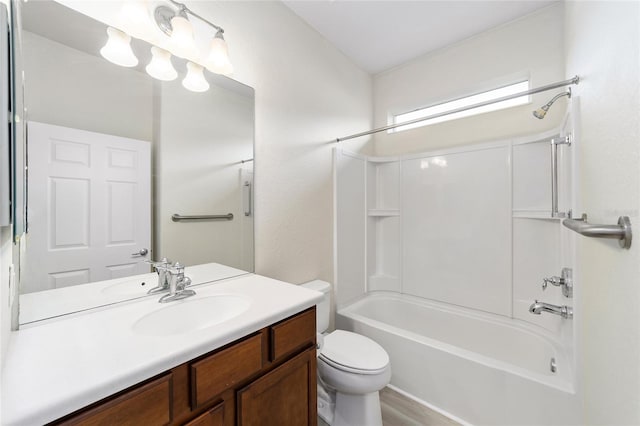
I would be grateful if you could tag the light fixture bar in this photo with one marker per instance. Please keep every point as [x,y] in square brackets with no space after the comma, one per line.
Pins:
[183,8]
[573,80]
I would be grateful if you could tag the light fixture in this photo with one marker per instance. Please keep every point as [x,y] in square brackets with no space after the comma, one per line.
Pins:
[176,25]
[182,39]
[195,80]
[172,19]
[118,49]
[160,66]
[218,59]
[135,19]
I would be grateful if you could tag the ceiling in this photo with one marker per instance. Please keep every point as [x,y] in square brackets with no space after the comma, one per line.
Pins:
[379,35]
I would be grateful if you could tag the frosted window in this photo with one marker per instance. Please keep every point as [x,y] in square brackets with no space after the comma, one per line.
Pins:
[464,102]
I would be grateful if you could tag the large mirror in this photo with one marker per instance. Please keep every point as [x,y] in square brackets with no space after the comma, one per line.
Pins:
[125,169]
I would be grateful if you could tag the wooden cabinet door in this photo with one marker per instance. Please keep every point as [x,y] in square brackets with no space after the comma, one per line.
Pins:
[213,417]
[285,396]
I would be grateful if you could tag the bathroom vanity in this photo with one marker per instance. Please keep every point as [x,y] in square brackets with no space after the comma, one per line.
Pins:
[131,364]
[268,373]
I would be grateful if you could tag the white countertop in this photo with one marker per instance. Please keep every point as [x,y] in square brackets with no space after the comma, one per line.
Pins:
[60,366]
[45,304]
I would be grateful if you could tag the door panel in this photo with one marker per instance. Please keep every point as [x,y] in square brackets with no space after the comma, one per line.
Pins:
[285,396]
[89,207]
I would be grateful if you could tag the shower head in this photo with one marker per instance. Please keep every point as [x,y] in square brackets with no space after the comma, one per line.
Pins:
[542,111]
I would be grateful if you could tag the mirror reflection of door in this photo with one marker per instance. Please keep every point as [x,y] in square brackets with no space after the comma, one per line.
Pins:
[89,207]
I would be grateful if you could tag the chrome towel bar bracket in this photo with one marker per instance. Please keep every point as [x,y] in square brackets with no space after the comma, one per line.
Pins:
[179,218]
[620,232]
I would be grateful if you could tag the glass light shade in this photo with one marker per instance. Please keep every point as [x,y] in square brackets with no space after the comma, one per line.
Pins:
[182,40]
[160,66]
[136,20]
[195,80]
[218,59]
[118,50]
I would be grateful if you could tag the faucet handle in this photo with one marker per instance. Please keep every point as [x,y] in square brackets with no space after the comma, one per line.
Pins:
[565,281]
[158,264]
[183,283]
[557,281]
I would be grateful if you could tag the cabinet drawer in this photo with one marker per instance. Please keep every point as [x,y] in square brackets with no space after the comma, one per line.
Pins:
[214,374]
[148,404]
[292,334]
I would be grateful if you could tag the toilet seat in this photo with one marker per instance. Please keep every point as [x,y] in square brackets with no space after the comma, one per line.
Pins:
[354,353]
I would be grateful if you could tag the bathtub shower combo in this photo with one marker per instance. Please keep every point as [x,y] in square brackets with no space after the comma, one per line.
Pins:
[457,263]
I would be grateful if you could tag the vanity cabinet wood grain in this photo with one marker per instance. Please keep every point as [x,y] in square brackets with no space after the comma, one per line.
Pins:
[266,378]
[286,395]
[150,402]
[213,417]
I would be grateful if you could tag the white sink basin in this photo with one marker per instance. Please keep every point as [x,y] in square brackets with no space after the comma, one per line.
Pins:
[131,287]
[189,315]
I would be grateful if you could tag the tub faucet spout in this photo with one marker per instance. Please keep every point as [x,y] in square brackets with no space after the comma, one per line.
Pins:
[564,311]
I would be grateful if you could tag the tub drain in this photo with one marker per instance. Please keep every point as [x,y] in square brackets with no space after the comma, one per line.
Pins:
[552,365]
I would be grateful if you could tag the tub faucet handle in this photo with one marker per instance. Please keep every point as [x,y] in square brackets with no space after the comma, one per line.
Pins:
[564,281]
[557,281]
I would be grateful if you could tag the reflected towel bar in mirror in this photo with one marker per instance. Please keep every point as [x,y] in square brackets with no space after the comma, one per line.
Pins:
[179,218]
[621,231]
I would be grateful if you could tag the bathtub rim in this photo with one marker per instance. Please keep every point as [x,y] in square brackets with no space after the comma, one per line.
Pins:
[564,382]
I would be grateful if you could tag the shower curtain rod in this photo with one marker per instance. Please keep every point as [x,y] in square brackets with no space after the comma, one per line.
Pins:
[574,80]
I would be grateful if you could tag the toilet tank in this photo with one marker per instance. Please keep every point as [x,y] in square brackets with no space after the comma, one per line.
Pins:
[323,308]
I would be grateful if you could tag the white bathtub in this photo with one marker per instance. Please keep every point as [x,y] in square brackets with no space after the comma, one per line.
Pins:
[474,367]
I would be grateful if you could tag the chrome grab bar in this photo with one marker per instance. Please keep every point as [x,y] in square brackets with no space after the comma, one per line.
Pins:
[179,218]
[246,201]
[620,232]
[554,173]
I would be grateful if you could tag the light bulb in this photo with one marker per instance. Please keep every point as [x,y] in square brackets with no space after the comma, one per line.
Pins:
[135,19]
[118,50]
[195,80]
[218,59]
[160,66]
[182,39]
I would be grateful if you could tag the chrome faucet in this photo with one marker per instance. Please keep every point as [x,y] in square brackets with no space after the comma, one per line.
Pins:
[564,311]
[177,284]
[163,280]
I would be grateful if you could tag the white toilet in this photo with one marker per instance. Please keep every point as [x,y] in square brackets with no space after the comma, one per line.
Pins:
[351,370]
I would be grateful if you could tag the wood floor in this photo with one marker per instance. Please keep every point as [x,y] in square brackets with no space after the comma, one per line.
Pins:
[398,410]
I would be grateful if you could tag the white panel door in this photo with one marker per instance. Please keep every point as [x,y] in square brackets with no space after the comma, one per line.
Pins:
[89,207]
[456,226]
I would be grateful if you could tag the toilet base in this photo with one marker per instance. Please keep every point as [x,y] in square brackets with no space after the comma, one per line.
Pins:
[357,410]
[326,403]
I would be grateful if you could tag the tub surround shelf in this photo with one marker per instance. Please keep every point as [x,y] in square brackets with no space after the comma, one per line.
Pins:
[383,212]
[534,214]
[85,358]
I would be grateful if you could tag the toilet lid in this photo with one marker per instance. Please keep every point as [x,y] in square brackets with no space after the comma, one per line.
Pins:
[354,351]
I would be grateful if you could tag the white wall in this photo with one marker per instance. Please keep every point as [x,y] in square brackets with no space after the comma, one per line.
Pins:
[602,45]
[121,105]
[529,47]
